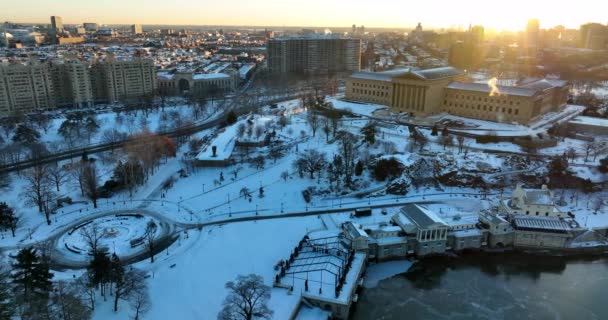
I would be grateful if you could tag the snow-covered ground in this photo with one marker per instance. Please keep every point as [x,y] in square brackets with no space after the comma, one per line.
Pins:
[187,281]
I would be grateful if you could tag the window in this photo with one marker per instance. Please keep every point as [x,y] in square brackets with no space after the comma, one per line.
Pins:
[527,212]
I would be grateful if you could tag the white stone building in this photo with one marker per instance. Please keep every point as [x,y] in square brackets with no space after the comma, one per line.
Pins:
[531,202]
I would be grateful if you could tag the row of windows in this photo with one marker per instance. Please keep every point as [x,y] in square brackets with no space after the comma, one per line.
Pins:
[492,98]
[366,85]
[371,92]
[537,213]
[481,107]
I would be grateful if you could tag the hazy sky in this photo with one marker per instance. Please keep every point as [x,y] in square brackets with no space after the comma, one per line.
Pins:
[501,14]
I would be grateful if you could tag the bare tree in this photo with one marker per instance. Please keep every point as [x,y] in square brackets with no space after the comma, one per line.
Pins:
[86,290]
[140,302]
[348,151]
[284,175]
[589,146]
[313,161]
[327,128]
[275,153]
[235,171]
[92,234]
[313,121]
[446,141]
[126,284]
[57,175]
[283,121]
[113,136]
[571,153]
[258,162]
[90,182]
[247,299]
[259,131]
[598,149]
[460,140]
[37,185]
[67,304]
[150,239]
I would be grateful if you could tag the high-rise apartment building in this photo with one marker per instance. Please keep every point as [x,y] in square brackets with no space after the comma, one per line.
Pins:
[56,25]
[593,36]
[123,81]
[314,54]
[72,84]
[25,88]
[137,29]
[532,40]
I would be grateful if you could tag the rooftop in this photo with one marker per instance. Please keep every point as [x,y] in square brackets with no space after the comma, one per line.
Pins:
[208,76]
[543,223]
[421,217]
[482,87]
[541,84]
[438,73]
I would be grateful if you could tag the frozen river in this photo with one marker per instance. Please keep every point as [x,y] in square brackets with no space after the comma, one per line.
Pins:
[505,286]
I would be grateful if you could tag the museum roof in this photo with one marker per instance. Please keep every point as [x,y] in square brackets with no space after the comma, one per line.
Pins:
[482,87]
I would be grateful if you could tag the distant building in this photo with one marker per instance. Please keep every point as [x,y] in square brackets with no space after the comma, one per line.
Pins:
[531,202]
[56,25]
[80,30]
[123,81]
[136,29]
[403,90]
[26,88]
[593,36]
[69,40]
[523,103]
[431,91]
[589,125]
[431,232]
[544,232]
[469,53]
[178,83]
[90,26]
[532,37]
[314,54]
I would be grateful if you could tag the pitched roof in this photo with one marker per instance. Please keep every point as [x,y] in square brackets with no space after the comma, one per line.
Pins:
[421,217]
[428,74]
[541,223]
[438,73]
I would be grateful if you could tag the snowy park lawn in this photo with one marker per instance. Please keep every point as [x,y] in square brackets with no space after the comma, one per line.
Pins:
[194,287]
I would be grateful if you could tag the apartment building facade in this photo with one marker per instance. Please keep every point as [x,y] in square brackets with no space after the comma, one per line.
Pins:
[314,54]
[72,84]
[26,88]
[123,81]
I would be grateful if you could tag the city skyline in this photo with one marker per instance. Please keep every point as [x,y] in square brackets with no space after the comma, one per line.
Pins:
[317,13]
